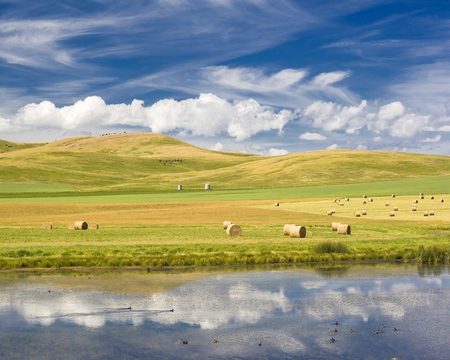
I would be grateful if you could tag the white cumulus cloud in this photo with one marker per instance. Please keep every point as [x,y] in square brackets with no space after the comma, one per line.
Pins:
[278,152]
[437,138]
[312,136]
[218,146]
[331,116]
[207,115]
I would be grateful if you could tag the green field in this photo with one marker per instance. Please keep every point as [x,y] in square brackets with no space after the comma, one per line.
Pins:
[144,221]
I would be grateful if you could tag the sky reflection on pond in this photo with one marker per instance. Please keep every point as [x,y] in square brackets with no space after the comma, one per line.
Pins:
[381,312]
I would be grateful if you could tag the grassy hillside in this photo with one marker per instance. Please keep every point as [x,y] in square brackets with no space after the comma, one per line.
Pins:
[152,162]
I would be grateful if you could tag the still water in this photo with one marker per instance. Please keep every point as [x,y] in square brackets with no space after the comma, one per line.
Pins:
[372,312]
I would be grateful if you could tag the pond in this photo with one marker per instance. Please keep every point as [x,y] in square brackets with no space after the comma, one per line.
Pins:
[377,311]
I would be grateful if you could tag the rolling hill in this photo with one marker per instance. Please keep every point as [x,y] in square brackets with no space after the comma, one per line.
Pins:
[153,162]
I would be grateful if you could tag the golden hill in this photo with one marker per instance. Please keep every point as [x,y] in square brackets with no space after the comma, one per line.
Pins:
[136,161]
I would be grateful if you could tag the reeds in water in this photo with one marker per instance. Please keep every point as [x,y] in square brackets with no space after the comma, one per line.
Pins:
[434,255]
[331,247]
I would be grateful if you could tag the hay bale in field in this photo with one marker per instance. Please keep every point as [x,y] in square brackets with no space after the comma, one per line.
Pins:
[364,212]
[371,200]
[71,226]
[421,194]
[341,204]
[414,208]
[333,211]
[364,196]
[357,214]
[234,230]
[386,204]
[329,212]
[392,213]
[335,225]
[297,231]
[226,224]
[80,225]
[416,201]
[395,208]
[287,228]
[347,199]
[47,226]
[393,195]
[425,213]
[441,200]
[344,229]
[422,197]
[431,197]
[431,212]
[277,204]
[364,202]
[93,226]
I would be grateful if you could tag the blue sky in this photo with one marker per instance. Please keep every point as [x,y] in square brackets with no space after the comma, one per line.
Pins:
[267,77]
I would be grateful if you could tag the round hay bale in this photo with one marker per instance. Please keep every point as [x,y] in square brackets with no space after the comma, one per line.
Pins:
[226,224]
[386,204]
[395,208]
[80,225]
[422,197]
[364,212]
[357,214]
[392,213]
[431,212]
[416,201]
[341,204]
[421,194]
[393,195]
[297,231]
[441,200]
[277,204]
[287,228]
[347,199]
[425,213]
[93,226]
[333,211]
[364,196]
[364,202]
[234,230]
[431,197]
[371,200]
[414,208]
[329,212]
[47,226]
[344,229]
[335,225]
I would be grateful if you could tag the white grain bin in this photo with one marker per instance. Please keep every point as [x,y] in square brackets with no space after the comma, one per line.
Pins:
[207,186]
